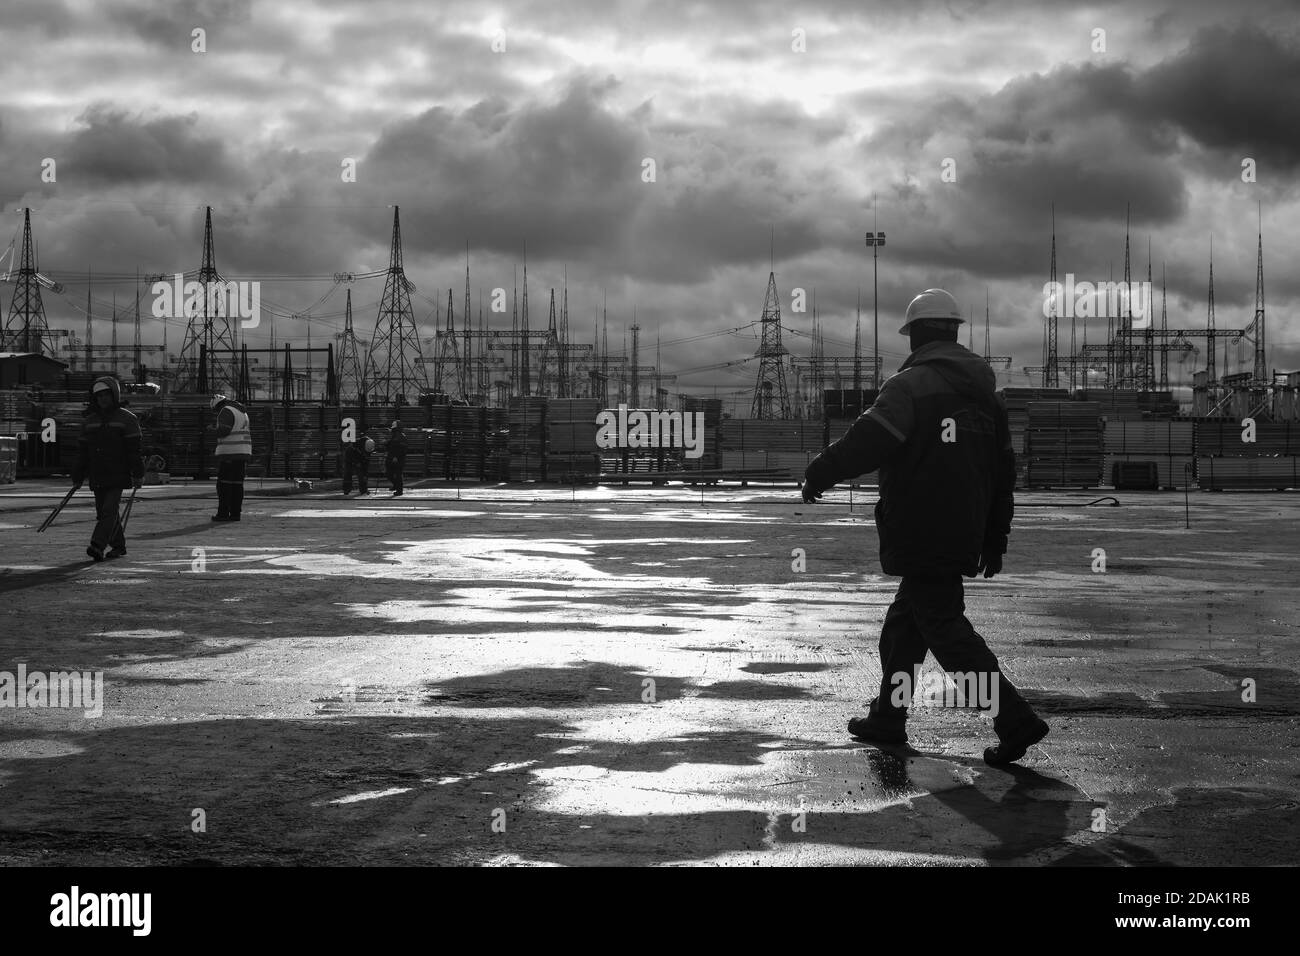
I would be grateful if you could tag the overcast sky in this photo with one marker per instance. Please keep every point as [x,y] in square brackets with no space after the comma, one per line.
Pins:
[545,142]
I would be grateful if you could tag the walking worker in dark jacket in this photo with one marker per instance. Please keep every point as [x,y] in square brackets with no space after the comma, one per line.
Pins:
[108,453]
[395,457]
[939,435]
[356,461]
[233,451]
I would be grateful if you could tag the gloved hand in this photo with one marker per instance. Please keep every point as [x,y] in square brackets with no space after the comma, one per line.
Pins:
[818,478]
[990,564]
[77,482]
[136,481]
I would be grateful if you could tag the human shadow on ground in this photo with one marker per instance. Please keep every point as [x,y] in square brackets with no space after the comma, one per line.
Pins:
[426,790]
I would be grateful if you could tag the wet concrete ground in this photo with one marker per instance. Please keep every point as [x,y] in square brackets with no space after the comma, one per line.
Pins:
[429,680]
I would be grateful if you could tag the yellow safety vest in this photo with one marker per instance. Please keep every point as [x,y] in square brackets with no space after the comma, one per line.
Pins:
[240,439]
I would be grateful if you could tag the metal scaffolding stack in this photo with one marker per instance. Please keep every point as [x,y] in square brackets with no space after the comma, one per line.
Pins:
[527,418]
[1162,448]
[1063,445]
[1225,461]
[571,436]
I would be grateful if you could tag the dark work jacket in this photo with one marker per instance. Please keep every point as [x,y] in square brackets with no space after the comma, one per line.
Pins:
[357,454]
[941,503]
[108,451]
[396,448]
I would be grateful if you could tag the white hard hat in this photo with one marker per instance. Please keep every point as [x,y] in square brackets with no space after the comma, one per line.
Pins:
[932,304]
[370,445]
[217,400]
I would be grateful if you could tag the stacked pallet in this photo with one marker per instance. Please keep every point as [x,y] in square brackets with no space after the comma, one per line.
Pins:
[1219,473]
[769,447]
[496,448]
[527,421]
[437,441]
[1225,461]
[1116,404]
[8,459]
[1063,445]
[466,442]
[1220,437]
[15,408]
[1017,402]
[572,454]
[1168,445]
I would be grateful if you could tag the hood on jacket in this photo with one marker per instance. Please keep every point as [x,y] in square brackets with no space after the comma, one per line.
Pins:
[113,387]
[961,368]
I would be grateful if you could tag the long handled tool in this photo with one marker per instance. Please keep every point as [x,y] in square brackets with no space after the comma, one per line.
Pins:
[57,508]
[125,516]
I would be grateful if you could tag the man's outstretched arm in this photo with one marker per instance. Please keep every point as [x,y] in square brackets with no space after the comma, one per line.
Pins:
[866,446]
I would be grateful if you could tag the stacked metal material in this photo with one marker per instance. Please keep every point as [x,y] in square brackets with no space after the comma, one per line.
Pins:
[1017,402]
[572,454]
[15,407]
[1168,445]
[496,438]
[1063,445]
[1226,459]
[467,446]
[764,448]
[438,442]
[527,419]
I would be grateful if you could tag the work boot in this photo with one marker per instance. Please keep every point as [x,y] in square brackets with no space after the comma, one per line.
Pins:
[878,729]
[1016,742]
[94,552]
[117,551]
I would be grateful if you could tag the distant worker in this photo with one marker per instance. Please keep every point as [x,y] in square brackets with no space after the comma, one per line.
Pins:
[939,435]
[395,457]
[108,453]
[356,462]
[234,449]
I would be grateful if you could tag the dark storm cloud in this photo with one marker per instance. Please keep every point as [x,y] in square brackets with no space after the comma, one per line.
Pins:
[564,172]
[1234,90]
[114,148]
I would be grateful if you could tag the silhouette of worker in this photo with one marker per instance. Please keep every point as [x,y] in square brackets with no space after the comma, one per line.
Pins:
[939,436]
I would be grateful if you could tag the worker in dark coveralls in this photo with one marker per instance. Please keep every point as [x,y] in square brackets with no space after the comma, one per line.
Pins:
[356,464]
[395,457]
[938,433]
[108,453]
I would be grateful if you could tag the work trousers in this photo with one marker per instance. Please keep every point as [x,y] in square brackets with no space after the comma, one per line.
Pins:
[358,470]
[929,614]
[394,467]
[230,486]
[108,529]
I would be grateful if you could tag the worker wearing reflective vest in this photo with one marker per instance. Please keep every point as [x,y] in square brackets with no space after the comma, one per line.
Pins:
[234,449]
[939,436]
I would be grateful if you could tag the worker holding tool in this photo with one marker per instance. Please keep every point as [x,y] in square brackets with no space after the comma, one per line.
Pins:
[356,463]
[108,453]
[234,449]
[939,435]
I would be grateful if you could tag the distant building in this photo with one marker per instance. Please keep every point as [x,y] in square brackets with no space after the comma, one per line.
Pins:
[18,369]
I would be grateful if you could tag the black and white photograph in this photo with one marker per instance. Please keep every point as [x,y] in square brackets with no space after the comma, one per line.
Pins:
[828,434]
